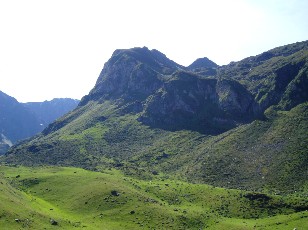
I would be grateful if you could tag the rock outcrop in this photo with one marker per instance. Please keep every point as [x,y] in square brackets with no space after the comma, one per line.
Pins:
[171,96]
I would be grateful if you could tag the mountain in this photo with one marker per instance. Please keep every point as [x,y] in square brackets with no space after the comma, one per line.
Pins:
[49,111]
[202,63]
[167,95]
[276,77]
[132,75]
[204,67]
[16,122]
[20,121]
[244,126]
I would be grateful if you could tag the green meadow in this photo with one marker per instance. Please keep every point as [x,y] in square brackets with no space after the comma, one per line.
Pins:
[74,198]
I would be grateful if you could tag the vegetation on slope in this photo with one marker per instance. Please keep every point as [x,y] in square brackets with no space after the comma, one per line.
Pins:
[264,154]
[66,198]
[278,80]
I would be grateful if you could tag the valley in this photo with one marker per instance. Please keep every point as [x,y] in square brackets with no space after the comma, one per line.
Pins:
[157,145]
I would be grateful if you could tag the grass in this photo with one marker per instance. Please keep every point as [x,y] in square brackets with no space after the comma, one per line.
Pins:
[265,154]
[77,198]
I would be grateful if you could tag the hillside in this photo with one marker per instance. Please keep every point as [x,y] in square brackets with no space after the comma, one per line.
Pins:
[148,115]
[72,198]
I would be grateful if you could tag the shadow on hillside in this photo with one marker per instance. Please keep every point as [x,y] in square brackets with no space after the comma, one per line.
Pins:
[215,127]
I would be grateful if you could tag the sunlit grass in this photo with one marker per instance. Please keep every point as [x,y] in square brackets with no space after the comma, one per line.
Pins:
[78,198]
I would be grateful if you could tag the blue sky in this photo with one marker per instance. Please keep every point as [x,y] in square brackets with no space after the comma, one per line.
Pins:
[57,48]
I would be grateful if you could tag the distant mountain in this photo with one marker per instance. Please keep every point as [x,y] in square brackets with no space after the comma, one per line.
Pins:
[19,121]
[243,125]
[16,122]
[203,67]
[202,63]
[49,111]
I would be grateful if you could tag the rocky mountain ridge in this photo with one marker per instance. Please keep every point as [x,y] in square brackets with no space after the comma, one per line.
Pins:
[138,77]
[221,125]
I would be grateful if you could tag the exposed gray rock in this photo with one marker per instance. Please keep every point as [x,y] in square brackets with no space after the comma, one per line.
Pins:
[115,193]
[53,222]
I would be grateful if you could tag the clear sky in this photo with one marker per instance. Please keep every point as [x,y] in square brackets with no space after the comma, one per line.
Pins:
[57,48]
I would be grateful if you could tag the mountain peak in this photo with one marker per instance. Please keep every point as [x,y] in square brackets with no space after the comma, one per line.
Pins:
[153,58]
[139,50]
[132,74]
[202,63]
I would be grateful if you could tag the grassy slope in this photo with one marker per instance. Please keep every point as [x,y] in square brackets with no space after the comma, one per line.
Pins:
[268,154]
[78,198]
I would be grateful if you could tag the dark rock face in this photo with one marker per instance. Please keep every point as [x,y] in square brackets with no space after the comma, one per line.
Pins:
[296,92]
[183,98]
[235,100]
[286,82]
[292,82]
[257,196]
[187,101]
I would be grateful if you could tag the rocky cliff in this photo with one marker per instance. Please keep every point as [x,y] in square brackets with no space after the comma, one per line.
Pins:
[171,96]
